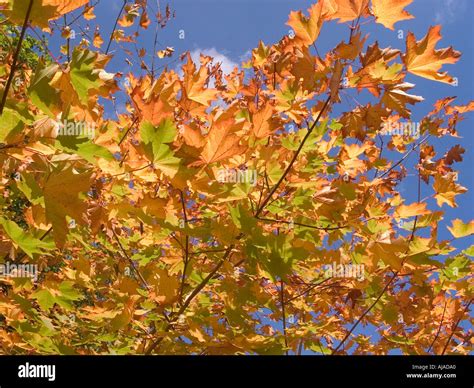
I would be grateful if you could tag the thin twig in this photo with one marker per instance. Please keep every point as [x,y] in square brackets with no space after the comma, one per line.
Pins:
[455,327]
[186,248]
[15,57]
[295,156]
[396,273]
[189,299]
[405,156]
[312,286]
[115,26]
[132,264]
[439,327]
[302,225]
[283,314]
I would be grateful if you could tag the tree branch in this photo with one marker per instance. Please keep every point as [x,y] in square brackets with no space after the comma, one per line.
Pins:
[132,264]
[189,299]
[283,314]
[295,156]
[115,26]
[439,328]
[455,327]
[15,57]
[396,273]
[302,225]
[186,247]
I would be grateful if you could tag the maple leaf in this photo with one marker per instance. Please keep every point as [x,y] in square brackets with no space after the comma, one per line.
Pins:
[156,141]
[352,49]
[346,10]
[446,190]
[154,102]
[166,289]
[389,12]
[389,253]
[307,29]
[194,83]
[28,243]
[42,11]
[62,199]
[454,154]
[415,209]
[422,59]
[262,123]
[460,229]
[221,142]
[396,98]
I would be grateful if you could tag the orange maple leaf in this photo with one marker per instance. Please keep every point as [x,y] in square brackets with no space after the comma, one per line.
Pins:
[221,142]
[422,59]
[388,12]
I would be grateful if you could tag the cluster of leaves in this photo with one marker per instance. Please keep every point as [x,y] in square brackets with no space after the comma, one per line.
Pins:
[143,249]
[32,48]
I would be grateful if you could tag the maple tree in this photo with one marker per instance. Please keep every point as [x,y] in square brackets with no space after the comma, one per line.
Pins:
[142,249]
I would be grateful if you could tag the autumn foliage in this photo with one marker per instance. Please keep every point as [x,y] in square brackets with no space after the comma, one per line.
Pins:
[149,236]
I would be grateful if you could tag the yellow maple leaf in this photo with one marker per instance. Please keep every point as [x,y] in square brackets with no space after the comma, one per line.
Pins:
[221,142]
[262,125]
[446,190]
[460,229]
[415,209]
[388,12]
[423,60]
[61,197]
[307,28]
[42,11]
[346,10]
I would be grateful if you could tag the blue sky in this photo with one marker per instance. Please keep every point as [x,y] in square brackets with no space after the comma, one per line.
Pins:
[229,29]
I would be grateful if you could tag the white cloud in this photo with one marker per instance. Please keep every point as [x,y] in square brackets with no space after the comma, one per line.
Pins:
[448,10]
[227,64]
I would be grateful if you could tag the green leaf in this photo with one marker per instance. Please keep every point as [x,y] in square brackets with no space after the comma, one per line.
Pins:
[84,74]
[156,140]
[45,299]
[62,198]
[42,94]
[84,147]
[242,218]
[29,186]
[28,243]
[456,267]
[63,296]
